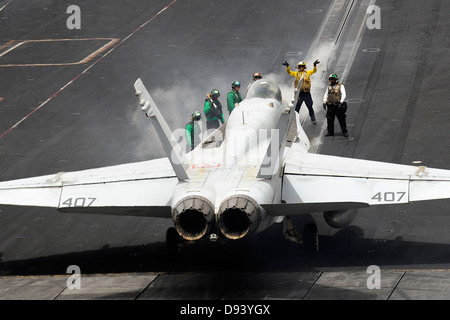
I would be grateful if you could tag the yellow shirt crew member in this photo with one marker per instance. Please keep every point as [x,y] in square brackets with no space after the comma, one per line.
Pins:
[303,76]
[302,85]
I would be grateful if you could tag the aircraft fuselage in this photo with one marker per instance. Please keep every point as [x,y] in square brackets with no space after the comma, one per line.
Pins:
[227,191]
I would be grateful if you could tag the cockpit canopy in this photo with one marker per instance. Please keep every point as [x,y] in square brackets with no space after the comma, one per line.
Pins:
[264,88]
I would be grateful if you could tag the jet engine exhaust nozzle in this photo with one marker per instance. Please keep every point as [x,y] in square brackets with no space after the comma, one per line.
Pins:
[238,216]
[193,217]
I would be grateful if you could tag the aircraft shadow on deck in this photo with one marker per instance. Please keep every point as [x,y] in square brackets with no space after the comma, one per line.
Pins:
[266,252]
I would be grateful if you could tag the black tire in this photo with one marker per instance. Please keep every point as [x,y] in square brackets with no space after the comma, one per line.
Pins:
[173,241]
[311,239]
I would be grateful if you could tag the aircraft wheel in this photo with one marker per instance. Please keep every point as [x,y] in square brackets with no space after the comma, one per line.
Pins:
[173,241]
[311,239]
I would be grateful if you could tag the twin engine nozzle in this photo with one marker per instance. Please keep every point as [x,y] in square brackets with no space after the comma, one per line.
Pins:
[238,216]
[194,217]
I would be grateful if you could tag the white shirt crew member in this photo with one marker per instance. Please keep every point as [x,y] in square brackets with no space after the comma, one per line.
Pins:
[343,93]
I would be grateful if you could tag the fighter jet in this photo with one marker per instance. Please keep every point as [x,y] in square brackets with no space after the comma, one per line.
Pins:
[252,172]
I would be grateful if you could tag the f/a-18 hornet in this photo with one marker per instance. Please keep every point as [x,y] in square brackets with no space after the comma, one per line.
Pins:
[242,178]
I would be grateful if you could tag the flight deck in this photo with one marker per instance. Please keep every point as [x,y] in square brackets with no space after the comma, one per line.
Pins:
[67,103]
[338,284]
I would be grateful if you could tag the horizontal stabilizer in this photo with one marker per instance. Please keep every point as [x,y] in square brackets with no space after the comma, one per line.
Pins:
[315,178]
[154,211]
[291,209]
[142,188]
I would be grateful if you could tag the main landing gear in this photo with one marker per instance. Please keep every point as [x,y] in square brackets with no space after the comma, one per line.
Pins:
[309,239]
[174,242]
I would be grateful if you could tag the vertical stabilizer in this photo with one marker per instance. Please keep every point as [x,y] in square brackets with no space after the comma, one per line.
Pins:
[173,149]
[272,160]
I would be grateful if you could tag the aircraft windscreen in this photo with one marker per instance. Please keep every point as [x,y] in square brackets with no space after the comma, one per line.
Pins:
[264,89]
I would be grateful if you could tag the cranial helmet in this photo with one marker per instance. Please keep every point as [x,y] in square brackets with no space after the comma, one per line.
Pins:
[257,76]
[215,93]
[333,76]
[196,115]
[301,64]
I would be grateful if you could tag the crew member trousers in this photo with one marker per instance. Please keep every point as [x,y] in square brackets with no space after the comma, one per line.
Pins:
[333,111]
[212,124]
[305,97]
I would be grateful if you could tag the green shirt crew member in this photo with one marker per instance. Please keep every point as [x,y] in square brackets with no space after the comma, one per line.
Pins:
[193,130]
[213,110]
[234,96]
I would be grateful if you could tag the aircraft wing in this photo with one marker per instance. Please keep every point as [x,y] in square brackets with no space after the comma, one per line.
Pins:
[315,182]
[141,188]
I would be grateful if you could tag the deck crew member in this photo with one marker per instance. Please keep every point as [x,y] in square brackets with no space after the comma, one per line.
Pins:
[302,86]
[193,130]
[213,110]
[334,103]
[234,96]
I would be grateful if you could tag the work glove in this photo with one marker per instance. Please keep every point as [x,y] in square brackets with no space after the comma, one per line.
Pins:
[285,63]
[316,62]
[325,106]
